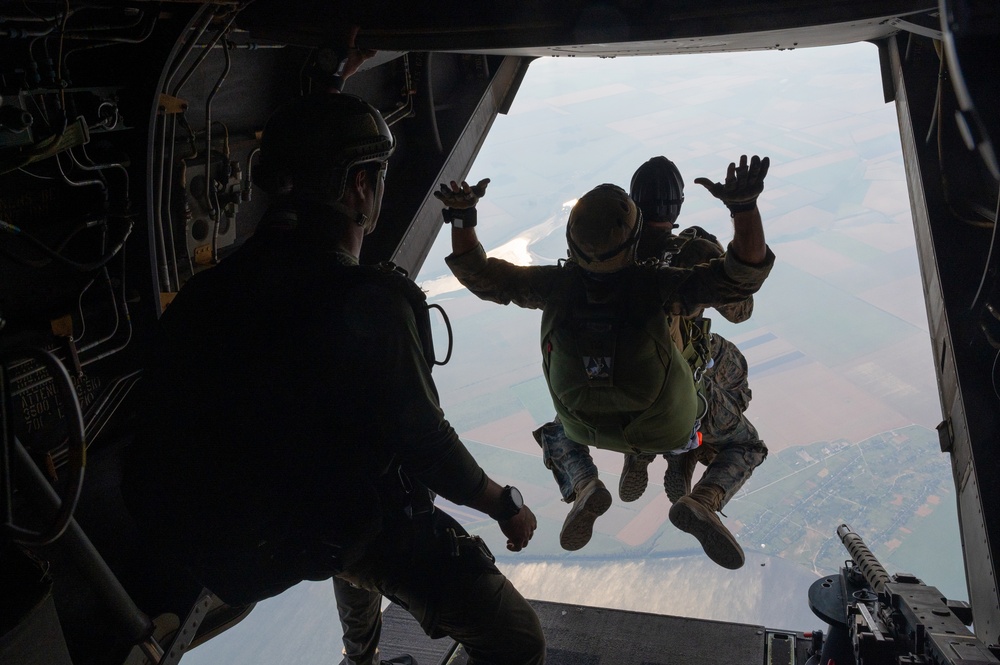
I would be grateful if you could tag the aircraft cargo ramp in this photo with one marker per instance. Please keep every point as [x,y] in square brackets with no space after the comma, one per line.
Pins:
[579,635]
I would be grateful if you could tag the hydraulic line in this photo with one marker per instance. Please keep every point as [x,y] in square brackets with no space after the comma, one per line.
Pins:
[82,267]
[23,33]
[984,221]
[182,121]
[405,110]
[34,33]
[93,26]
[208,130]
[34,175]
[128,338]
[932,124]
[429,105]
[114,329]
[187,214]
[249,171]
[225,141]
[158,214]
[994,249]
[124,314]
[111,39]
[204,15]
[100,168]
[59,63]
[206,50]
[81,183]
[28,18]
[106,123]
[199,30]
[169,205]
[31,46]
[42,263]
[114,306]
[79,310]
[211,196]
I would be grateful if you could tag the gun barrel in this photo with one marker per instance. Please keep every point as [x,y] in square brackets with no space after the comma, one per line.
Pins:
[876,576]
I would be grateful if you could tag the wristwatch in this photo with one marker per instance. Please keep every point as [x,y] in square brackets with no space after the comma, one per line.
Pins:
[460,218]
[511,502]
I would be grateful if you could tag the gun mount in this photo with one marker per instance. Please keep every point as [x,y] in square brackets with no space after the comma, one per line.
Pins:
[880,619]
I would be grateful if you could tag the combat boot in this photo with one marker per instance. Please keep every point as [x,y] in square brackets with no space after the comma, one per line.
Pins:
[592,500]
[694,513]
[634,477]
[677,478]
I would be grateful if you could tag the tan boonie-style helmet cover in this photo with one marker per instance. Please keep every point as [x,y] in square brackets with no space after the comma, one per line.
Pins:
[603,229]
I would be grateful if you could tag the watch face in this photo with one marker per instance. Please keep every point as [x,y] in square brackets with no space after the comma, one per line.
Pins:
[516,498]
[511,502]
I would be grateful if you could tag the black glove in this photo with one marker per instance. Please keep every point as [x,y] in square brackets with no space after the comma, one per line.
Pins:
[743,184]
[461,201]
[462,196]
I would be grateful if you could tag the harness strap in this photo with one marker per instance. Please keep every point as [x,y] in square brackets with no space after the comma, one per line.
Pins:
[418,303]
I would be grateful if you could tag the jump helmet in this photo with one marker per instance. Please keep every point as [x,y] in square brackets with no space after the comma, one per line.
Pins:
[317,139]
[603,229]
[658,189]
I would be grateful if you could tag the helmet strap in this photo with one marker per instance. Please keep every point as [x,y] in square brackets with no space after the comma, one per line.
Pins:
[366,220]
[603,256]
[629,242]
[359,218]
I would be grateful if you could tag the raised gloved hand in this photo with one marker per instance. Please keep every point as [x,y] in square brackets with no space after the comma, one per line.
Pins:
[743,184]
[462,196]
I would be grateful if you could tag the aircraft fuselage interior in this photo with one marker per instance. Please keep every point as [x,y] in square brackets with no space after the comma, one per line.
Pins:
[129,132]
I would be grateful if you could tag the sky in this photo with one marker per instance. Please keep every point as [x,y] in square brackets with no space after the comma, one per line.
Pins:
[844,389]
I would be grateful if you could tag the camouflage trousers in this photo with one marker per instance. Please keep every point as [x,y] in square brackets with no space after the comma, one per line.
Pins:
[731,447]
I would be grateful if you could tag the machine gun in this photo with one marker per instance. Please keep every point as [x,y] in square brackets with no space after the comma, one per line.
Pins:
[881,619]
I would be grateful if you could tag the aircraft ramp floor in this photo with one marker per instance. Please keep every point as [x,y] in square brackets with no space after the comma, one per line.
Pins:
[579,635]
